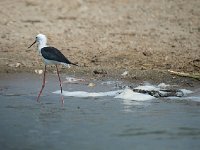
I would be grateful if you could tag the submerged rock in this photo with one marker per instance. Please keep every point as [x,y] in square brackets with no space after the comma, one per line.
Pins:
[162,90]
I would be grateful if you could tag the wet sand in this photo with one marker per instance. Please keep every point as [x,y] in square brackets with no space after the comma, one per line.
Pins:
[91,123]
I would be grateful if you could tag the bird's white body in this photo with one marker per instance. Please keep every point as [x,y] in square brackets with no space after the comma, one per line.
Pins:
[52,62]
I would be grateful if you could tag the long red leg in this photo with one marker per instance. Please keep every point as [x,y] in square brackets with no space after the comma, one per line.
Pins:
[43,84]
[60,84]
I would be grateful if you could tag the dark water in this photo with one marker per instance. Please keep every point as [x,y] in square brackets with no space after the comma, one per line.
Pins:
[91,123]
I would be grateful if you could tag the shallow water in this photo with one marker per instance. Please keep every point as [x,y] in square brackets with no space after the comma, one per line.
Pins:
[91,123]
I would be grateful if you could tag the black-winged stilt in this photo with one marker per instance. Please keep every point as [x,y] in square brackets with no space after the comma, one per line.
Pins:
[51,56]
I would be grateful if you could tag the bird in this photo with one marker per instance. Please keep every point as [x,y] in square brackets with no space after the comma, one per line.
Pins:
[51,56]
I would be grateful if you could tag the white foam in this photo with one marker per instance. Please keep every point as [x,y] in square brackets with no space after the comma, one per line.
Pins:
[128,94]
[186,92]
[73,80]
[111,82]
[88,94]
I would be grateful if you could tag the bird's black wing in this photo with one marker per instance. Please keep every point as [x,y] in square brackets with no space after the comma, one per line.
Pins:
[52,53]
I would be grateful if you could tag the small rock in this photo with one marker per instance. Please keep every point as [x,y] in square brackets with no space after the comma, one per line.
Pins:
[168,66]
[147,53]
[125,73]
[91,85]
[100,72]
[38,71]
[17,65]
[173,46]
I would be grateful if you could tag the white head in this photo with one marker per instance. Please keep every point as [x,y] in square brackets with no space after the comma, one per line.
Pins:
[41,39]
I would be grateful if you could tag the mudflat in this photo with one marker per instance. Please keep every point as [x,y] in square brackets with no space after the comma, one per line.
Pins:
[109,34]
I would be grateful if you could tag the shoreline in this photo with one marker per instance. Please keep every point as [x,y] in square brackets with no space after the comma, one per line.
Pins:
[100,73]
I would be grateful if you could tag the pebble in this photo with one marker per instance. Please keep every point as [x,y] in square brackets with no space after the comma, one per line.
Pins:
[125,73]
[91,85]
[14,65]
[37,71]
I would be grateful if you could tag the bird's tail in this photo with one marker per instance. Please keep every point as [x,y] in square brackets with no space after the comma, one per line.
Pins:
[73,64]
[68,64]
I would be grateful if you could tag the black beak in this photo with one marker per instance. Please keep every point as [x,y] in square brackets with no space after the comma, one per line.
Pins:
[32,44]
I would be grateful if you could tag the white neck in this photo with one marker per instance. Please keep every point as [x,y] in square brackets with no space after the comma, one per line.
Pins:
[41,44]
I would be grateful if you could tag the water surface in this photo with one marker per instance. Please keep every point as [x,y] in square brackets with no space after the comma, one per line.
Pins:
[91,123]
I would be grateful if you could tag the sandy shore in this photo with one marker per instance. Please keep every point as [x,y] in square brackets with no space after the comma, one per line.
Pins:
[114,35]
